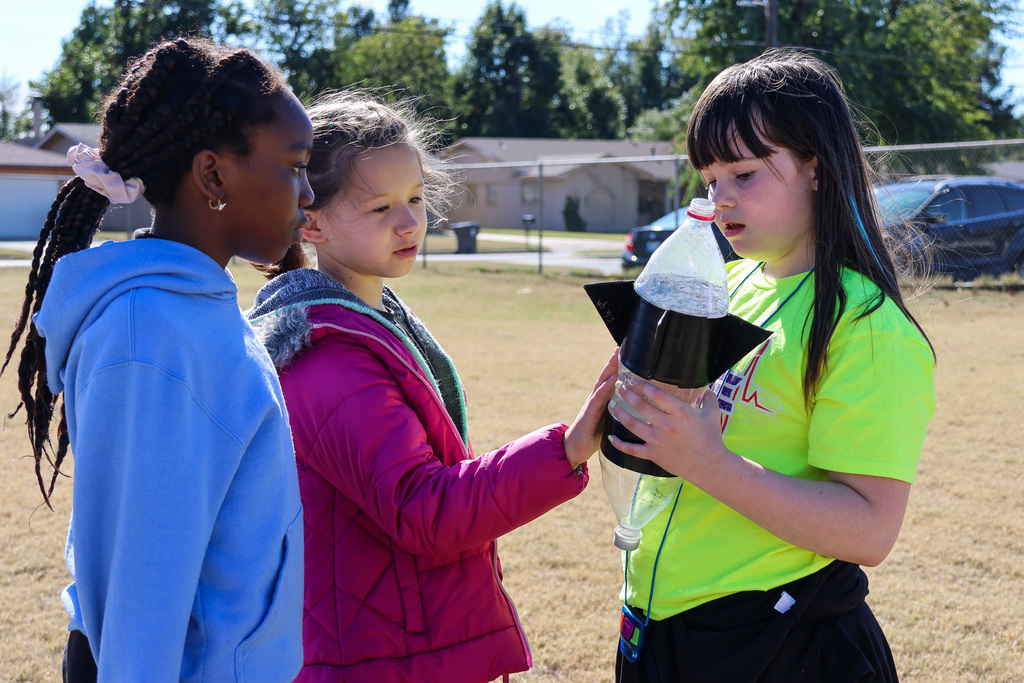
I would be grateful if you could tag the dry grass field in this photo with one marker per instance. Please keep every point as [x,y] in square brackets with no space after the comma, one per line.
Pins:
[951,595]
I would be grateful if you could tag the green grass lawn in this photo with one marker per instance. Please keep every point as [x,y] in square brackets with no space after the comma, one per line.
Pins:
[528,348]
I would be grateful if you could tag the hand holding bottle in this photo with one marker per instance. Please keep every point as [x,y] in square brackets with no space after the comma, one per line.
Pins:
[679,437]
[583,436]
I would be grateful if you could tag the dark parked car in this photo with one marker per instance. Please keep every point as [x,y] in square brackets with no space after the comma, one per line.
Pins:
[970,225]
[641,242]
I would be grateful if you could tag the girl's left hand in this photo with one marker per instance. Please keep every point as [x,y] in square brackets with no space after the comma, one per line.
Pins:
[583,436]
[679,438]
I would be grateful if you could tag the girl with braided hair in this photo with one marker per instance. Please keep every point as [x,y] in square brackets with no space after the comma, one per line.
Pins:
[185,540]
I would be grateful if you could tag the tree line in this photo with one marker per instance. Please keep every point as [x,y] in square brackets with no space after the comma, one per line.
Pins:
[920,70]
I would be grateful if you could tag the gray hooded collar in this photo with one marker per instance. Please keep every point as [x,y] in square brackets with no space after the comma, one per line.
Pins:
[279,312]
[301,288]
[280,320]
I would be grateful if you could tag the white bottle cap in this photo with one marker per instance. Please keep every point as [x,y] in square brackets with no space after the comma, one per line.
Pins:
[701,208]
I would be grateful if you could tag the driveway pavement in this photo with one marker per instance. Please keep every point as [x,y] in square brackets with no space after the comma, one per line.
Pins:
[583,253]
[598,255]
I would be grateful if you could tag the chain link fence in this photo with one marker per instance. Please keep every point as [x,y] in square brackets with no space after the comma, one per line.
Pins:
[959,206]
[573,212]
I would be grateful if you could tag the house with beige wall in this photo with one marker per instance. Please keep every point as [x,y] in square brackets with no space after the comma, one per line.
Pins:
[613,197]
[32,172]
[29,182]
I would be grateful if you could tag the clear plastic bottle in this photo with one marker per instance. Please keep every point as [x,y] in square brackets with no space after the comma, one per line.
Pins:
[686,274]
[635,499]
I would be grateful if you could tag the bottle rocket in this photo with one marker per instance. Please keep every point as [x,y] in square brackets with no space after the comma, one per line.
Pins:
[672,326]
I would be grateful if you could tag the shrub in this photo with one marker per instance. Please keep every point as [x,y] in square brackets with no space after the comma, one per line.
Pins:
[571,215]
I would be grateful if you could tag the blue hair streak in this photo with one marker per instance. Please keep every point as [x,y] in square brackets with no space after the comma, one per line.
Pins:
[864,234]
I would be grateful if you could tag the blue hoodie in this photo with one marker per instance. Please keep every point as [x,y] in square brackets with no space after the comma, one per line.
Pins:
[185,543]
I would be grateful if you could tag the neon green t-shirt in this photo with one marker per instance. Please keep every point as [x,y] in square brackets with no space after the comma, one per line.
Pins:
[869,417]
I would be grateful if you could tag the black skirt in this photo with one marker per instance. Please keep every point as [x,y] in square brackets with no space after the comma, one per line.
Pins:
[828,634]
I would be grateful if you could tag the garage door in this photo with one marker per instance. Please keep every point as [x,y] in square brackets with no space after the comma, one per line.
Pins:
[24,203]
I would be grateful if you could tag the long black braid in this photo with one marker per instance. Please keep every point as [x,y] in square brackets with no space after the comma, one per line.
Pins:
[180,97]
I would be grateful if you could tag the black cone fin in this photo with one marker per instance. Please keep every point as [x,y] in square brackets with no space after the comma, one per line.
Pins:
[666,346]
[614,302]
[737,338]
[671,347]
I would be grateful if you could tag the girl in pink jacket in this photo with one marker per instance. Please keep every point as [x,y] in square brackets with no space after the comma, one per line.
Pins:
[403,581]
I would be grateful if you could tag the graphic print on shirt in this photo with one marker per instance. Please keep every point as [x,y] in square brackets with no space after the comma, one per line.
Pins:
[734,388]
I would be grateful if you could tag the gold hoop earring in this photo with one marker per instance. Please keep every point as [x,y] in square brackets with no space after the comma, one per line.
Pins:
[216,204]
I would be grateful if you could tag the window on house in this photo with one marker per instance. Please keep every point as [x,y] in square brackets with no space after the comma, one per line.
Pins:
[529,192]
[492,194]
[471,191]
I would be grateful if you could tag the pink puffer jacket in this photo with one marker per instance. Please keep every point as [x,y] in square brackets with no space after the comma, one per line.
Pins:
[402,576]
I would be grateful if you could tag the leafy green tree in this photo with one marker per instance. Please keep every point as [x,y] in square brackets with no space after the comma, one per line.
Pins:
[940,77]
[13,122]
[106,38]
[641,70]
[304,36]
[233,21]
[397,10]
[135,24]
[72,91]
[668,123]
[406,56]
[571,215]
[921,70]
[588,104]
[508,84]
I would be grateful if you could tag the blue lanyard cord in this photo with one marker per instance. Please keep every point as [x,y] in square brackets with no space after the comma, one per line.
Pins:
[745,278]
[784,301]
[654,569]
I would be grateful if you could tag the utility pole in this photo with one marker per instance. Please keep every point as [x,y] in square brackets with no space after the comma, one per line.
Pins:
[771,19]
[771,23]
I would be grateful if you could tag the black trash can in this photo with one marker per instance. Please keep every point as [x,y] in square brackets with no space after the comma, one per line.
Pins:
[465,236]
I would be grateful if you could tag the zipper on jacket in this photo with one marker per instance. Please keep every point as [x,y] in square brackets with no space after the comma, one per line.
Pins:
[508,598]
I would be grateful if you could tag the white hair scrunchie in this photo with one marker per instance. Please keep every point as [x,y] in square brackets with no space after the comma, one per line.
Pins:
[87,165]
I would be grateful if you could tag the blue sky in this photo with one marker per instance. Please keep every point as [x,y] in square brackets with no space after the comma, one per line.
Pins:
[31,33]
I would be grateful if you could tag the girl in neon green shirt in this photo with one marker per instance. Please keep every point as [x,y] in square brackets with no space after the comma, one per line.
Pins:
[799,462]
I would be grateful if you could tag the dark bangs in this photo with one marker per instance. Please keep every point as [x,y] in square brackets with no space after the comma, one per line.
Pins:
[758,105]
[728,117]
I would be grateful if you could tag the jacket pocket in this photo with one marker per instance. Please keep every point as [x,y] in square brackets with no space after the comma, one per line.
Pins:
[273,652]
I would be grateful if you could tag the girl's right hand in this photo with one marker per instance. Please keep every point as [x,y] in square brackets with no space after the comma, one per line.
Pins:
[583,436]
[678,437]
